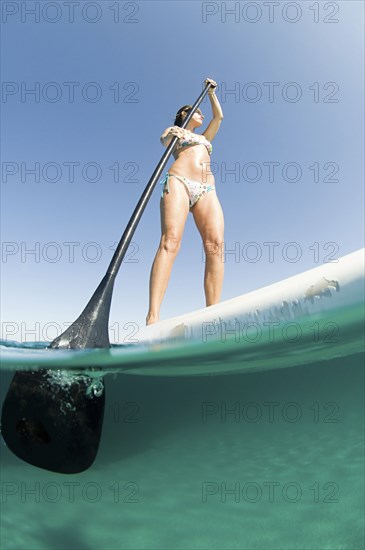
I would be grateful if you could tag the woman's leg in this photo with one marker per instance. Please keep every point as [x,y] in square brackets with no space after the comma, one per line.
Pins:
[174,208]
[208,216]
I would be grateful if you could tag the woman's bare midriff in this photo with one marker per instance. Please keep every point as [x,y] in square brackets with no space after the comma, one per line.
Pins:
[193,163]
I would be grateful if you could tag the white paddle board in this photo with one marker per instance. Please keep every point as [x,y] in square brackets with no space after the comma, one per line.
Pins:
[313,316]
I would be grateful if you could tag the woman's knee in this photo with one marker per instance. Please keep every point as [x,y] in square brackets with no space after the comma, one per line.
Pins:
[170,242]
[213,245]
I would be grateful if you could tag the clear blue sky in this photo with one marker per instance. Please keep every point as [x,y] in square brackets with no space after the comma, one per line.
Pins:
[156,55]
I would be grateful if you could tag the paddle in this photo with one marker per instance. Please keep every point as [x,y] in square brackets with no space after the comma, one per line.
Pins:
[53,419]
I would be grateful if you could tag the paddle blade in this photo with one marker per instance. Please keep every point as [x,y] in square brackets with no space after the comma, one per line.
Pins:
[90,330]
[53,419]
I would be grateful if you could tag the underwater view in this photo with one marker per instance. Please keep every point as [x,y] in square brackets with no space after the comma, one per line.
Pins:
[270,459]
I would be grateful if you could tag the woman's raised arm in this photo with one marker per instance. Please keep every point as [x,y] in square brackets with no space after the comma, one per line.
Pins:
[217,112]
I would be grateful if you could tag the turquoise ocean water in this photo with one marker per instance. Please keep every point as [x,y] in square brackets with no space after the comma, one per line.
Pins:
[263,451]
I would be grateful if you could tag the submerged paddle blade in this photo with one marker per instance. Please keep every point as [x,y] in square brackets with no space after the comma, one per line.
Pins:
[90,330]
[53,419]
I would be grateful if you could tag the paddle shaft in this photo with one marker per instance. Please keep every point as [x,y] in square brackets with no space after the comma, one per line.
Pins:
[139,209]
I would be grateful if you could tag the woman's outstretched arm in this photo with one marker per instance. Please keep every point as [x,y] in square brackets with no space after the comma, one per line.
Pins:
[217,112]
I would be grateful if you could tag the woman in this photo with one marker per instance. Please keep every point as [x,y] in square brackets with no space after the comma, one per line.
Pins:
[189,186]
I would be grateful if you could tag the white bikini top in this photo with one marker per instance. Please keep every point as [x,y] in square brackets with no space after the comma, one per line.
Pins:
[191,138]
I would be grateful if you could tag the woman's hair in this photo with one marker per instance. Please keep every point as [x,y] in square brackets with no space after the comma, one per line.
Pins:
[179,117]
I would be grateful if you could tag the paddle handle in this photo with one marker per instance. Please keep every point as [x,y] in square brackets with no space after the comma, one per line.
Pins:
[142,203]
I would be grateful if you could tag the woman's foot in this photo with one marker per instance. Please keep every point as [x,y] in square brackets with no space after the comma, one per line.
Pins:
[150,319]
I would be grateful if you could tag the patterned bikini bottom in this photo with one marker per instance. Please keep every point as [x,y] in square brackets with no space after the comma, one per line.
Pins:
[196,189]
